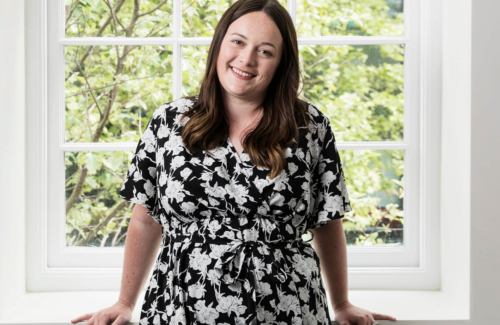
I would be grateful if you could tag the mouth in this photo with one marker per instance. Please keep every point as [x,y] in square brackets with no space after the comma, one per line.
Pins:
[240,74]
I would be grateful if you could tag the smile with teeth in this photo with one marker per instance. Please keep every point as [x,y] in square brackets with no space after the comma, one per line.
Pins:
[241,73]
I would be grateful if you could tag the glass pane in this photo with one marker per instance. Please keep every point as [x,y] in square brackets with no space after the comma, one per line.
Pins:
[94,18]
[194,61]
[199,18]
[375,185]
[350,18]
[112,91]
[360,87]
[95,214]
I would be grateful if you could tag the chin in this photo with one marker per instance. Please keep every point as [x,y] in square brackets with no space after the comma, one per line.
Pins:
[235,89]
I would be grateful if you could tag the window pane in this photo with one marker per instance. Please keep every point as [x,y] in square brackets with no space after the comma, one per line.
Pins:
[94,18]
[375,184]
[360,87]
[112,91]
[374,181]
[199,18]
[194,61]
[95,214]
[350,18]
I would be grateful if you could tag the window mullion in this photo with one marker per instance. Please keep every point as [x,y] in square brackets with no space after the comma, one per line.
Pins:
[177,63]
[316,40]
[292,10]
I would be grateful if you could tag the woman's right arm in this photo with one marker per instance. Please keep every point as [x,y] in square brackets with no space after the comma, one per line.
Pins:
[143,240]
[141,248]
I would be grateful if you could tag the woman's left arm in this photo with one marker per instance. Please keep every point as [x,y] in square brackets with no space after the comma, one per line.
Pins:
[330,246]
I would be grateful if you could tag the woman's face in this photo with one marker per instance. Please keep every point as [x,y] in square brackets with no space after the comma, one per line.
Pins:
[252,45]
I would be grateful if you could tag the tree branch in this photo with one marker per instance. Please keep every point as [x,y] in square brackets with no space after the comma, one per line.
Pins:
[68,16]
[120,67]
[152,10]
[111,85]
[92,234]
[98,34]
[156,32]
[318,61]
[91,92]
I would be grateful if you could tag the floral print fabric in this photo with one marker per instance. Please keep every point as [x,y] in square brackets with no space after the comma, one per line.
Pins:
[232,251]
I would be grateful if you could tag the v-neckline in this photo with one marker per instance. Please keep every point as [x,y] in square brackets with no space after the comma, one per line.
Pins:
[238,156]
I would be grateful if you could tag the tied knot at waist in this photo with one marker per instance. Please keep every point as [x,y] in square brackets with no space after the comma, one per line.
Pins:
[231,262]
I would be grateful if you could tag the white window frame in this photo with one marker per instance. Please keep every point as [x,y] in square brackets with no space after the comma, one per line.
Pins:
[82,268]
[52,268]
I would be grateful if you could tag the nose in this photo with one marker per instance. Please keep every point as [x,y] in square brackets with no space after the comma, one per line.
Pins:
[247,56]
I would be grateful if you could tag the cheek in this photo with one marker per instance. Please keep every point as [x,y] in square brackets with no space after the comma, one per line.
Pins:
[270,70]
[221,65]
[225,55]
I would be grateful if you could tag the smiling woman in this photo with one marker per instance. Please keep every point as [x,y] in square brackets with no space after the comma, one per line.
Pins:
[236,176]
[253,53]
[248,58]
[245,67]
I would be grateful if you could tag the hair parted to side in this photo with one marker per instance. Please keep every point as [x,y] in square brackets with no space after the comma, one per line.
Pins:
[283,111]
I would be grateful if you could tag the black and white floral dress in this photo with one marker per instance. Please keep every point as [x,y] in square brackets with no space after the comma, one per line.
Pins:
[232,249]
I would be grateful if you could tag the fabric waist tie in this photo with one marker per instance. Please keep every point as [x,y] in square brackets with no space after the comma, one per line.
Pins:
[230,263]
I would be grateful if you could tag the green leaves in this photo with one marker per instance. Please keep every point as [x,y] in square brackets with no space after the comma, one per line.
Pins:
[359,87]
[91,162]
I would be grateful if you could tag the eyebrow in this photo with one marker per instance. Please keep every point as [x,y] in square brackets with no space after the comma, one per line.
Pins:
[263,43]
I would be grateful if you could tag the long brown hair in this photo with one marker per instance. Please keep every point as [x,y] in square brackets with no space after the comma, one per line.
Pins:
[283,111]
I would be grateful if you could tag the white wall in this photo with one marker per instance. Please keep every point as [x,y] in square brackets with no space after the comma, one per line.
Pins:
[485,168]
[12,162]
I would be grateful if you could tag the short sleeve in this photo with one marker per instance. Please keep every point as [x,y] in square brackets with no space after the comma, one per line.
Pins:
[329,186]
[140,183]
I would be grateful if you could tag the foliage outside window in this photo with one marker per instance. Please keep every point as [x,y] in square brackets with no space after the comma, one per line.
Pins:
[111,91]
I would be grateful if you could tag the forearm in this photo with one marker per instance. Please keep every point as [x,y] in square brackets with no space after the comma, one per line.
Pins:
[330,245]
[141,248]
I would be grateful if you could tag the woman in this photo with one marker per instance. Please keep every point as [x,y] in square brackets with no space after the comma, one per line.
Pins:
[221,181]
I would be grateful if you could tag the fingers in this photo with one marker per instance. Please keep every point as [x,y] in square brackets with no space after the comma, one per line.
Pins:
[100,318]
[370,320]
[91,320]
[119,320]
[383,317]
[83,317]
[103,319]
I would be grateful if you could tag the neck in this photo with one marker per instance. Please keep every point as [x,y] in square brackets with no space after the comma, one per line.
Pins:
[240,110]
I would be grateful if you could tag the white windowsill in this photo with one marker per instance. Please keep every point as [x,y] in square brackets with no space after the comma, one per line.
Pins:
[404,305]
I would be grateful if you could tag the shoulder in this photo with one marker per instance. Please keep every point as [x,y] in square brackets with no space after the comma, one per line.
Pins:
[319,122]
[316,114]
[170,112]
